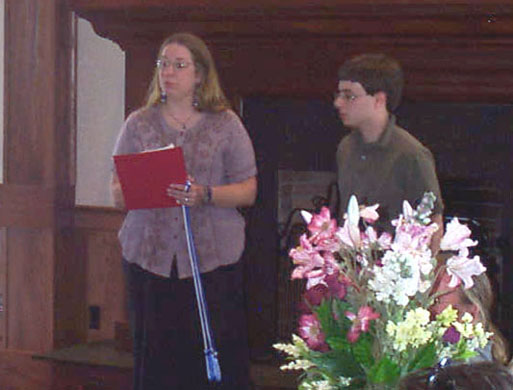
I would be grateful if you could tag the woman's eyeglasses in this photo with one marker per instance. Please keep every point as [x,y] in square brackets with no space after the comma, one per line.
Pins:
[163,63]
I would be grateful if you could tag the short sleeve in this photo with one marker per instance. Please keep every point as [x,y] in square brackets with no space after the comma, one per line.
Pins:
[125,141]
[239,155]
[423,178]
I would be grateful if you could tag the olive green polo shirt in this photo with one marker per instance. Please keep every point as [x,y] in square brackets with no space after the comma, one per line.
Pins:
[396,167]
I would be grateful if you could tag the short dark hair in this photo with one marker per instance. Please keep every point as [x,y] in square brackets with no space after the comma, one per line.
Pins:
[469,376]
[376,73]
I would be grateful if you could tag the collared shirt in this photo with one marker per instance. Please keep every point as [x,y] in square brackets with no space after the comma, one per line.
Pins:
[217,150]
[395,168]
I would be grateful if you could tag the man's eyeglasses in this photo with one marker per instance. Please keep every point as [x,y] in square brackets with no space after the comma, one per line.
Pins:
[163,63]
[348,97]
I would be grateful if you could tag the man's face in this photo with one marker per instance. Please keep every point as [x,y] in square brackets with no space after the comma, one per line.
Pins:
[354,105]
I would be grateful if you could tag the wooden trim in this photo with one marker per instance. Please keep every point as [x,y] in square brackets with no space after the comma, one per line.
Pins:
[98,218]
[3,289]
[259,6]
[26,205]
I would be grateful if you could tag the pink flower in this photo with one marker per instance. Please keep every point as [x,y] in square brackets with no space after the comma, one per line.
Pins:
[306,257]
[456,236]
[349,234]
[322,226]
[318,275]
[411,236]
[312,264]
[310,331]
[370,236]
[461,269]
[334,286]
[369,213]
[361,322]
[385,240]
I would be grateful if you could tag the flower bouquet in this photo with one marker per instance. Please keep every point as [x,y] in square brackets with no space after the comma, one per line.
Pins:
[367,321]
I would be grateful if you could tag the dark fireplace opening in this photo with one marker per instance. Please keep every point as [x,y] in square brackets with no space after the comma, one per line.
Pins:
[295,143]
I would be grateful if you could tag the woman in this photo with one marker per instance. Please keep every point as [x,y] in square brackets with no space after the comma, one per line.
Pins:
[478,301]
[186,107]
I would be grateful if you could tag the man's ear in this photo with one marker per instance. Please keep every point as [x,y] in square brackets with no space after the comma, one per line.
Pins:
[381,98]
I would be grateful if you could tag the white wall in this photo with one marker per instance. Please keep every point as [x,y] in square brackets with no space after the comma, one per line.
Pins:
[100,112]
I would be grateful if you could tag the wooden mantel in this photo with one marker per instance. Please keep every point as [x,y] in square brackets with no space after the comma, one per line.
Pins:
[451,50]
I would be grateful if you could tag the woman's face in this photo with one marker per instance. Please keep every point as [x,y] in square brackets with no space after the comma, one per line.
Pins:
[177,73]
[454,297]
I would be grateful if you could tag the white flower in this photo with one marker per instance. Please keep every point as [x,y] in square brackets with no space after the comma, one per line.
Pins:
[456,236]
[299,364]
[344,381]
[398,279]
[369,214]
[461,269]
[353,218]
[307,217]
[294,350]
[322,385]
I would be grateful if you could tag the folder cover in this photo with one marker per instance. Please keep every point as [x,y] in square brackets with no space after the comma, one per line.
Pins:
[144,177]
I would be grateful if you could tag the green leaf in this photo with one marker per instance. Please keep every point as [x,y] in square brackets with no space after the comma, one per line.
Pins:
[337,363]
[384,371]
[339,343]
[466,354]
[425,357]
[362,350]
[329,326]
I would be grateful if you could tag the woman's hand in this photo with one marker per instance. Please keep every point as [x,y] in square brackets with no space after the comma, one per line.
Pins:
[229,195]
[189,197]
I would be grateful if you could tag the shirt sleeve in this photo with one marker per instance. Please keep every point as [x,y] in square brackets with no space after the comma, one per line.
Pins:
[239,156]
[423,179]
[125,143]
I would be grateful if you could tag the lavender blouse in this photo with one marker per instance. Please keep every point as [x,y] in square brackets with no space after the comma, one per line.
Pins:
[217,151]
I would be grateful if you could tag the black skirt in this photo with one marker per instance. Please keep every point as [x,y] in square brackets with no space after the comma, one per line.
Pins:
[168,344]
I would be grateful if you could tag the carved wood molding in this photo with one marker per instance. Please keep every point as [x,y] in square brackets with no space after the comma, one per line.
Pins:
[127,21]
[450,50]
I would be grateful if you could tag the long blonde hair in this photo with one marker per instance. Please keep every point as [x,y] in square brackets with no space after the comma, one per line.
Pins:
[481,295]
[209,95]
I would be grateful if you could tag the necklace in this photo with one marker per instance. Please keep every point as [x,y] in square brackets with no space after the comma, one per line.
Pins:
[181,123]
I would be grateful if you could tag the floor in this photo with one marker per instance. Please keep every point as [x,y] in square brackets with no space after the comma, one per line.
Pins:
[21,371]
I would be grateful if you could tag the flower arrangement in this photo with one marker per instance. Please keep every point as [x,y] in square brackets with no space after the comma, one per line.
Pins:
[368,295]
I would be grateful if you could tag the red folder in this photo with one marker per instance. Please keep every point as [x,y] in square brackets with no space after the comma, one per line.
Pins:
[144,177]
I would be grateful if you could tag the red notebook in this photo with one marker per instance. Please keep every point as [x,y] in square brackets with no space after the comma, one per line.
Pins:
[144,177]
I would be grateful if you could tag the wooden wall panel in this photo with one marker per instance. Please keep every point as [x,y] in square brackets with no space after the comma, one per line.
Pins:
[97,246]
[3,288]
[29,65]
[105,286]
[30,297]
[19,371]
[70,291]
[36,195]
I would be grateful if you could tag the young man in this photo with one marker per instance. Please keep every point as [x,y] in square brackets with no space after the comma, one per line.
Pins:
[378,161]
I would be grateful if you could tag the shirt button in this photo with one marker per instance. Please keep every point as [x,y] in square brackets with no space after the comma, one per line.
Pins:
[363,157]
[175,236]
